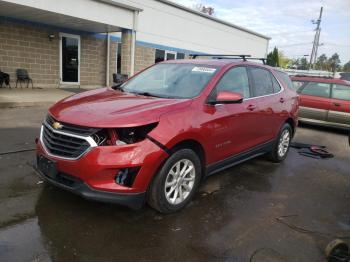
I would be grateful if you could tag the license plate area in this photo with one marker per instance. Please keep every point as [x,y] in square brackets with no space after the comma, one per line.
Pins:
[47,167]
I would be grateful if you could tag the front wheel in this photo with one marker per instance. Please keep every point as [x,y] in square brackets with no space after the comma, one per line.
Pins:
[176,182]
[281,146]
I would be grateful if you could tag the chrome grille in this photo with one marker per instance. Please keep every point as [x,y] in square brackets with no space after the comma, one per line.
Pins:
[74,129]
[63,145]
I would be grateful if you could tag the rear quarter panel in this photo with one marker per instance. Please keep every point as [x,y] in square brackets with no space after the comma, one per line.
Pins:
[290,108]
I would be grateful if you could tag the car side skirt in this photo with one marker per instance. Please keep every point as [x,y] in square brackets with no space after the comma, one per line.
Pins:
[323,123]
[241,157]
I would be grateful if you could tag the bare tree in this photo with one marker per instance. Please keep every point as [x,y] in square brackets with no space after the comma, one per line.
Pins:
[204,9]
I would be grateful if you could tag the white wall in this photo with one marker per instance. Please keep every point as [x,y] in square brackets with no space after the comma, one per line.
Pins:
[158,23]
[163,24]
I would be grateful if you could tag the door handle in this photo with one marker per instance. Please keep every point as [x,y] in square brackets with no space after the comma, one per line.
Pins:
[251,107]
[282,100]
[336,104]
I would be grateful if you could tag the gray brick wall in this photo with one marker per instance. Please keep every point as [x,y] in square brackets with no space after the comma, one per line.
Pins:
[23,46]
[144,57]
[27,46]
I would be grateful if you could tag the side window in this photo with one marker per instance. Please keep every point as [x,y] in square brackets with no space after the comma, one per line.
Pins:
[298,84]
[275,84]
[316,89]
[286,79]
[341,92]
[235,80]
[261,81]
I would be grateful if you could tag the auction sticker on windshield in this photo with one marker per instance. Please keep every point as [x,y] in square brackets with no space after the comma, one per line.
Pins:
[208,70]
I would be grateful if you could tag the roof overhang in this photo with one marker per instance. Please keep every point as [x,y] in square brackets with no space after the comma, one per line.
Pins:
[94,16]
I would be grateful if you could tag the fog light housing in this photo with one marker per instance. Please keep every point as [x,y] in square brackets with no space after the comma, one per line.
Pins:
[126,176]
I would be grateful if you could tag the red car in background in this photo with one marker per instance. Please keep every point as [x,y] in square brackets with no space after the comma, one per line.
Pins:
[324,101]
[156,136]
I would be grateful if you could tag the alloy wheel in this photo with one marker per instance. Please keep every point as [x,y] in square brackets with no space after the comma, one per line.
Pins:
[283,144]
[180,181]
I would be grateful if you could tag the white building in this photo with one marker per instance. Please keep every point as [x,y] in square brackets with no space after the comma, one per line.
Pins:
[83,42]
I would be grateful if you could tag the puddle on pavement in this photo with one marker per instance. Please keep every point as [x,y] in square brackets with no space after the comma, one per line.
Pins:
[23,241]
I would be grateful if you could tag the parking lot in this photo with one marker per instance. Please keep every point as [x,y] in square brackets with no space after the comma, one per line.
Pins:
[256,211]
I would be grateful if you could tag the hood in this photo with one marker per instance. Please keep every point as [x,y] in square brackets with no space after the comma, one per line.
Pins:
[106,107]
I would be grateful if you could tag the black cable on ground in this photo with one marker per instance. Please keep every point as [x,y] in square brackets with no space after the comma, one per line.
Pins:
[17,151]
[281,220]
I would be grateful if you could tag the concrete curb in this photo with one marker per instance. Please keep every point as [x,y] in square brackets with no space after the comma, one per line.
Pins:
[25,104]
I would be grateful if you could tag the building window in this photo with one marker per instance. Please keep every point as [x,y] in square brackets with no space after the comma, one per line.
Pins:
[162,55]
[180,56]
[119,58]
[170,55]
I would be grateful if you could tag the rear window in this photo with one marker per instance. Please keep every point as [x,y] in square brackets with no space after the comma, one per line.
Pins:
[341,92]
[286,79]
[317,89]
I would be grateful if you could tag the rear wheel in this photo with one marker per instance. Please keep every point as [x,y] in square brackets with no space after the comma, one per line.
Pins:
[176,182]
[281,146]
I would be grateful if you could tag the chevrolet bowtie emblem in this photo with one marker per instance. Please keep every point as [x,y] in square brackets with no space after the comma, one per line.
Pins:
[57,125]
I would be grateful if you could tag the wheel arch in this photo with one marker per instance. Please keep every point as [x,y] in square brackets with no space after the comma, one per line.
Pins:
[196,146]
[292,124]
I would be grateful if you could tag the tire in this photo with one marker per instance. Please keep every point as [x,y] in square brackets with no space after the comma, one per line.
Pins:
[337,249]
[173,177]
[281,146]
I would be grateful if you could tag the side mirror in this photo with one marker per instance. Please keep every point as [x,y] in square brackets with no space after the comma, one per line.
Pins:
[226,97]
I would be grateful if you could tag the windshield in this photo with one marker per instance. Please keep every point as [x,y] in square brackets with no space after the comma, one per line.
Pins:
[171,80]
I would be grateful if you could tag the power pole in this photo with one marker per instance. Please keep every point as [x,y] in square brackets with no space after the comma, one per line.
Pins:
[316,42]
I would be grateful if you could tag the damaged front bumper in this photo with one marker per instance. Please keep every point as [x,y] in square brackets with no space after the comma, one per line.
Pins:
[76,186]
[94,175]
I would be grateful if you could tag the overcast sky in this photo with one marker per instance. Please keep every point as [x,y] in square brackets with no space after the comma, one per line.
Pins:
[288,23]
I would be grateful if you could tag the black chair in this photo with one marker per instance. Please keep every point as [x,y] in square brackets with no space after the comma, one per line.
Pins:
[22,76]
[4,78]
[119,78]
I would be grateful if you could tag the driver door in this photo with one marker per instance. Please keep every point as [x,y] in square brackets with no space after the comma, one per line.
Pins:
[233,126]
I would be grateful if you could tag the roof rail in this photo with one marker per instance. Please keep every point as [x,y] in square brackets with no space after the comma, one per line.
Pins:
[194,56]
[315,76]
[243,57]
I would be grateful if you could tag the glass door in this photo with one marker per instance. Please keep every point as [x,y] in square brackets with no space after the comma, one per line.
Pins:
[69,58]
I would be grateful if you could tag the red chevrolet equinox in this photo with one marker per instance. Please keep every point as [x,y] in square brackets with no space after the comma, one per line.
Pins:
[156,136]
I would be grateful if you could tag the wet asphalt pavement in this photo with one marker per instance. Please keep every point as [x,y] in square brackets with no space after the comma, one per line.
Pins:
[256,211]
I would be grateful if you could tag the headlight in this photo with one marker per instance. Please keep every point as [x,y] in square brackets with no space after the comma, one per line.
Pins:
[122,136]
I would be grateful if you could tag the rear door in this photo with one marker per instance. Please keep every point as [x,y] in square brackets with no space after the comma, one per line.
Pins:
[315,101]
[340,105]
[266,91]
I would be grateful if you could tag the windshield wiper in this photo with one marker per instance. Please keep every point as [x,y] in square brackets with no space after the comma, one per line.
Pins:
[118,87]
[148,94]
